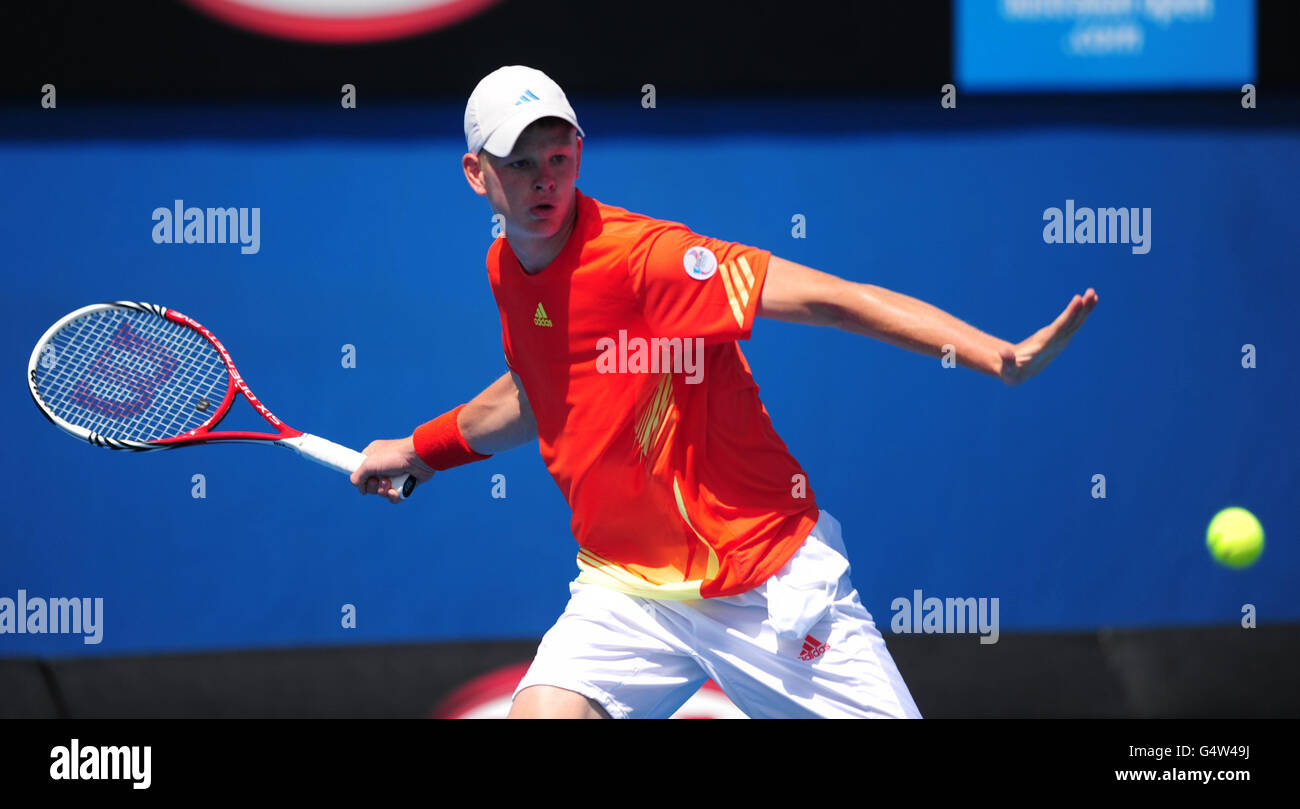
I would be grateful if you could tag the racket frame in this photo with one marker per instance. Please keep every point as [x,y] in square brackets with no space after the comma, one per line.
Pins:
[323,451]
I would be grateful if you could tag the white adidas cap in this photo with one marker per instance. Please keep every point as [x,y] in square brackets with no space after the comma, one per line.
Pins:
[505,102]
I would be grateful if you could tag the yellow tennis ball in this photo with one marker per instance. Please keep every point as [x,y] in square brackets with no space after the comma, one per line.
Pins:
[1235,538]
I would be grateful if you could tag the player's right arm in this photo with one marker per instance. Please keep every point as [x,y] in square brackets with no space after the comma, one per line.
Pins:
[496,420]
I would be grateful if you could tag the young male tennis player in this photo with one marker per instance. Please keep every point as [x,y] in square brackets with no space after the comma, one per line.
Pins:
[702,552]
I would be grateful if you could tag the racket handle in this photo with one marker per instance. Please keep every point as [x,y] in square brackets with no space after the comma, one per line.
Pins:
[340,458]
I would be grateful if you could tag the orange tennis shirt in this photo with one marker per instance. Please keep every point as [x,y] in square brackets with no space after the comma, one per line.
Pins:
[647,415]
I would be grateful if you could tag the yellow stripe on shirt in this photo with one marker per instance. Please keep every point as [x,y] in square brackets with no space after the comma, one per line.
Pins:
[594,569]
[736,309]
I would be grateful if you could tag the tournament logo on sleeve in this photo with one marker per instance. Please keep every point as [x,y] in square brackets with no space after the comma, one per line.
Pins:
[700,263]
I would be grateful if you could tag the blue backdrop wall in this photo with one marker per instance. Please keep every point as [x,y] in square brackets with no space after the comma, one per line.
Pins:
[945,480]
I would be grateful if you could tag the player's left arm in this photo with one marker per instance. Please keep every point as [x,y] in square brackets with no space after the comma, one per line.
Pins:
[798,294]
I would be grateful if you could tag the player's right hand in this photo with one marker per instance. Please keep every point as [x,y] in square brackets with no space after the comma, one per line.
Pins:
[386,458]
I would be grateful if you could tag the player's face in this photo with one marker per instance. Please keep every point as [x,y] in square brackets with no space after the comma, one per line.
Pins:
[532,187]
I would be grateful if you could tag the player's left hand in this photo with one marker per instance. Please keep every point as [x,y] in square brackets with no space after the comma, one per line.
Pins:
[1028,357]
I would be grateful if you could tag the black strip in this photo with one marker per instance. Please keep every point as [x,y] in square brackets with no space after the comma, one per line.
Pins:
[166,50]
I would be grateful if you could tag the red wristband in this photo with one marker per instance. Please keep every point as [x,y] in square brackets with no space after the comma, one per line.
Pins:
[441,445]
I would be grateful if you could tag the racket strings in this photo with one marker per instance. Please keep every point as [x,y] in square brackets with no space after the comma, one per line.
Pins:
[131,376]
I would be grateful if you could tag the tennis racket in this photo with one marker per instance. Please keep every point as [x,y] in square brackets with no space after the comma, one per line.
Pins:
[141,377]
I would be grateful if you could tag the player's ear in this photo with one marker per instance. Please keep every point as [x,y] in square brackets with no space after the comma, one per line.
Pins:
[473,167]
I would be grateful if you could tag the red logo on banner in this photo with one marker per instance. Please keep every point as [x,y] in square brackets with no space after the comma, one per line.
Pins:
[488,697]
[342,20]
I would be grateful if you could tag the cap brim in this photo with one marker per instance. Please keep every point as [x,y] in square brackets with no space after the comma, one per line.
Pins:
[503,139]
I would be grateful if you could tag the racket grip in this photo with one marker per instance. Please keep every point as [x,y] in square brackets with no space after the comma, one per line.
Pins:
[340,458]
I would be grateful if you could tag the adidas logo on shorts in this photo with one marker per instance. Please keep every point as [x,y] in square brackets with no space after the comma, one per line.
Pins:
[812,648]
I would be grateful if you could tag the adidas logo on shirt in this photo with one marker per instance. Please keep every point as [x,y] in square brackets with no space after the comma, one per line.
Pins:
[540,318]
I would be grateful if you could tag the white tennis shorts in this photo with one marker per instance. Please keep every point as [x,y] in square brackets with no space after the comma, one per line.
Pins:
[800,645]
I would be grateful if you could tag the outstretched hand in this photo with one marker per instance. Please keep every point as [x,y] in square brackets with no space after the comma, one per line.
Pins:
[386,459]
[1028,357]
